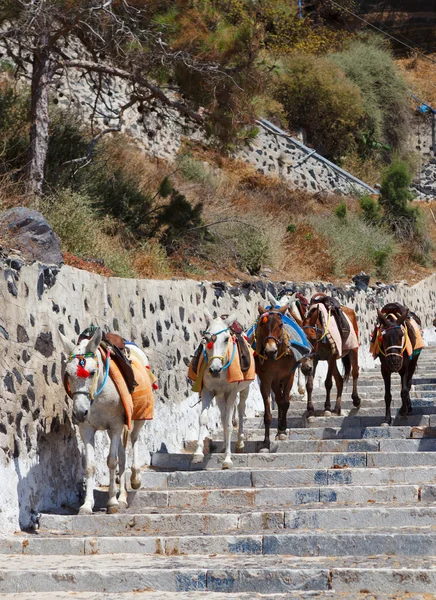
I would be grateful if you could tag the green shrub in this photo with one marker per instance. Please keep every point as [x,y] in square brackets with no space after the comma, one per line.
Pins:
[196,171]
[355,245]
[316,95]
[371,210]
[14,111]
[341,211]
[384,91]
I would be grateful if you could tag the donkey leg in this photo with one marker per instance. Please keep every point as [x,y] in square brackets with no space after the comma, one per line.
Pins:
[354,357]
[122,498]
[112,505]
[227,412]
[388,396]
[87,433]
[135,478]
[265,388]
[328,387]
[243,395]
[206,399]
[309,389]
[405,395]
[339,380]
[301,382]
[283,409]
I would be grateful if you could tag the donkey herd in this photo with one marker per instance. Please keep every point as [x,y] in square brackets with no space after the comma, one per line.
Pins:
[289,338]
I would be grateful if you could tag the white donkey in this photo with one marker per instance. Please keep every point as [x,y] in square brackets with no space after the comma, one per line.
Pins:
[294,312]
[216,385]
[97,406]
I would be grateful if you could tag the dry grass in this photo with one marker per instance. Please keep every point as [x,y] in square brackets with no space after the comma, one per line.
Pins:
[421,77]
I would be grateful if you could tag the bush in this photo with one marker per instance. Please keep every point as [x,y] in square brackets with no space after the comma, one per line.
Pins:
[341,211]
[383,90]
[371,210]
[317,96]
[80,230]
[355,245]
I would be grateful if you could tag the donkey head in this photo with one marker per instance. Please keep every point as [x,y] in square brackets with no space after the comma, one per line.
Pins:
[269,332]
[313,333]
[82,371]
[392,339]
[216,341]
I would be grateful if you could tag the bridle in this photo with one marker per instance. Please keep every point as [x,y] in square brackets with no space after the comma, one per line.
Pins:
[91,393]
[212,340]
[402,347]
[318,330]
[263,318]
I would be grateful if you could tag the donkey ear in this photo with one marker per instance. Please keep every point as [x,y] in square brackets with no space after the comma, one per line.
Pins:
[67,344]
[272,299]
[403,317]
[261,309]
[230,319]
[383,320]
[208,315]
[95,341]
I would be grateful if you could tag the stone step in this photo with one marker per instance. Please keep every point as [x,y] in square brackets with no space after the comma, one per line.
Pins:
[257,574]
[261,478]
[405,541]
[337,445]
[212,523]
[348,421]
[375,409]
[243,499]
[329,433]
[148,595]
[295,460]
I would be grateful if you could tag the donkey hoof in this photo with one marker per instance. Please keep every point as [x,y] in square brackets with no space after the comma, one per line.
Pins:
[85,510]
[135,483]
[385,424]
[113,509]
[311,419]
[227,464]
[123,506]
[281,436]
[197,458]
[327,413]
[301,391]
[239,449]
[264,451]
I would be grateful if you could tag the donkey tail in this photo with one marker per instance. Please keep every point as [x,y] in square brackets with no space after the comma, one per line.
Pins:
[125,436]
[346,361]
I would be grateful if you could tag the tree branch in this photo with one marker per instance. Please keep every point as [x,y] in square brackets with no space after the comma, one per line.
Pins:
[133,78]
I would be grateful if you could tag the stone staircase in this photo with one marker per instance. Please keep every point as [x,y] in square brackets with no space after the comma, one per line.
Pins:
[344,508]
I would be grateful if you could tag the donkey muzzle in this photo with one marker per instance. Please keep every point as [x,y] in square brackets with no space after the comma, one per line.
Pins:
[395,362]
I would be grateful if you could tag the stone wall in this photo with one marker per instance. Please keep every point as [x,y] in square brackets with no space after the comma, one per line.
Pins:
[40,452]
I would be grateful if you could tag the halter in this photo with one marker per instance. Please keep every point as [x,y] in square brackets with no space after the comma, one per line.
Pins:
[81,357]
[402,347]
[221,358]
[317,329]
[271,337]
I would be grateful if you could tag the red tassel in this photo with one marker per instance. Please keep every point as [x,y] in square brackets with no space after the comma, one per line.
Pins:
[210,346]
[155,386]
[245,338]
[81,372]
[265,319]
[255,353]
[147,366]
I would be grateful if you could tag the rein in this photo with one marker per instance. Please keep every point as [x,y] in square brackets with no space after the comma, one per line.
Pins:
[403,346]
[324,331]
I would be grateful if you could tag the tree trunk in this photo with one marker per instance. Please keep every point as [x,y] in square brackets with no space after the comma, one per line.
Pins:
[41,76]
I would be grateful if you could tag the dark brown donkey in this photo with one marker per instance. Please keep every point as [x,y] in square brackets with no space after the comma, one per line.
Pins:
[322,350]
[275,367]
[389,342]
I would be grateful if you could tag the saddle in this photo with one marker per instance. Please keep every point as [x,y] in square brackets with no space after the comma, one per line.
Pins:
[397,309]
[335,308]
[114,343]
[241,345]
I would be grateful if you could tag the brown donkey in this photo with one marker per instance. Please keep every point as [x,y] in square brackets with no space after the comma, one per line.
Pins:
[322,350]
[275,367]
